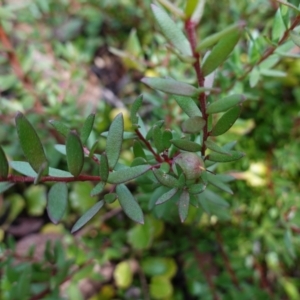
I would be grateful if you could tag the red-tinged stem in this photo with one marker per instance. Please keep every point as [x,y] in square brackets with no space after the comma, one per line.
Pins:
[18,179]
[148,145]
[191,33]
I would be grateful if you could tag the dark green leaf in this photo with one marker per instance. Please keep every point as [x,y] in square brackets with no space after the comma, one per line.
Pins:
[110,198]
[226,121]
[87,216]
[138,150]
[171,31]
[208,194]
[74,151]
[3,164]
[129,205]
[127,174]
[220,52]
[60,127]
[114,140]
[196,188]
[215,147]
[165,197]
[87,128]
[188,106]
[186,145]
[171,86]
[149,134]
[225,103]
[165,179]
[217,182]
[214,38]
[166,138]
[134,109]
[183,205]
[30,143]
[158,139]
[193,125]
[138,161]
[57,201]
[126,135]
[104,168]
[218,157]
[98,189]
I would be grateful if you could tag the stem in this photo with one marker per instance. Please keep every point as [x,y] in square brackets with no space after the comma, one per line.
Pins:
[18,179]
[148,145]
[191,32]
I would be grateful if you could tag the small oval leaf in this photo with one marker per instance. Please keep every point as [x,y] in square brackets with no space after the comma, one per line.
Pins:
[186,145]
[157,136]
[129,205]
[110,198]
[226,121]
[74,151]
[114,140]
[171,86]
[87,128]
[3,164]
[197,188]
[188,105]
[166,179]
[60,127]
[30,143]
[217,182]
[127,174]
[57,201]
[215,147]
[97,189]
[167,196]
[193,125]
[87,216]
[104,168]
[225,103]
[166,138]
[220,52]
[134,109]
[171,31]
[218,157]
[183,205]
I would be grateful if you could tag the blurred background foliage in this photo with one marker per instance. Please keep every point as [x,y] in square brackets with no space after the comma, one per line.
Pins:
[63,59]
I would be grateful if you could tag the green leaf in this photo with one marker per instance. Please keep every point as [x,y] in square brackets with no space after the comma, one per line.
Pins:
[217,182]
[149,134]
[226,121]
[97,189]
[183,205]
[215,147]
[4,186]
[127,174]
[114,140]
[23,168]
[87,216]
[57,201]
[193,125]
[134,109]
[127,135]
[104,168]
[273,73]
[174,87]
[138,150]
[129,205]
[59,173]
[186,145]
[74,151]
[225,103]
[60,127]
[216,37]
[231,156]
[166,179]
[188,105]
[167,135]
[197,188]
[190,7]
[160,288]
[87,128]
[3,164]
[254,77]
[171,31]
[123,275]
[215,198]
[158,139]
[30,143]
[110,198]
[278,27]
[220,52]
[289,5]
[167,196]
